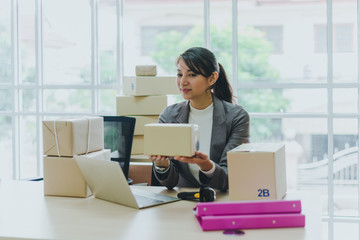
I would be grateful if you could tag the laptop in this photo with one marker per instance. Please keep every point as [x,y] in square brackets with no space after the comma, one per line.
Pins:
[107,182]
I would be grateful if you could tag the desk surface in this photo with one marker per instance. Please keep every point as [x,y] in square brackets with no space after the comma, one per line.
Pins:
[26,214]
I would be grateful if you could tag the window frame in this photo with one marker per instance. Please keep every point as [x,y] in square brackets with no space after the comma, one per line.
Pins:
[15,113]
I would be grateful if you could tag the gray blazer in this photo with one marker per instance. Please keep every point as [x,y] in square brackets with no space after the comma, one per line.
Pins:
[230,129]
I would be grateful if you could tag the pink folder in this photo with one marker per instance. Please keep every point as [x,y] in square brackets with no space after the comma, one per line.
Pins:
[247,207]
[208,223]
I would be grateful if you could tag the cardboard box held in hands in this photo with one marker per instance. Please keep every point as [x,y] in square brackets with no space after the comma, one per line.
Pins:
[171,139]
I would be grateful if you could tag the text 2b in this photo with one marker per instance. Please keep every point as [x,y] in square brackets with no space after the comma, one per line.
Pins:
[263,193]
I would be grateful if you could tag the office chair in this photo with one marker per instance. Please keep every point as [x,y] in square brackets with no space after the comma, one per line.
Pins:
[118,137]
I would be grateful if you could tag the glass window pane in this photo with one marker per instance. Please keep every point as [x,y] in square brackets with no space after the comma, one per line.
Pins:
[156,32]
[350,230]
[344,37]
[5,42]
[28,100]
[67,42]
[346,157]
[27,41]
[283,100]
[278,46]
[150,46]
[345,62]
[324,230]
[28,146]
[221,33]
[274,35]
[320,38]
[67,100]
[265,130]
[108,101]
[5,100]
[306,144]
[107,41]
[6,146]
[345,100]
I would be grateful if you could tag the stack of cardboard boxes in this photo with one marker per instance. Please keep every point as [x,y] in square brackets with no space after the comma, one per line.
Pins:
[145,97]
[62,140]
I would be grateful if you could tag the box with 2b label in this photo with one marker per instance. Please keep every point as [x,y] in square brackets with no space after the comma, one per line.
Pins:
[257,171]
[171,139]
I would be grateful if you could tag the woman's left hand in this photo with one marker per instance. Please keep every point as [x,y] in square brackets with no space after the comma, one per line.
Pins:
[201,159]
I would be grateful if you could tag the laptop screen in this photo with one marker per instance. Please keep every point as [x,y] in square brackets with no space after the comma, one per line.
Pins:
[118,137]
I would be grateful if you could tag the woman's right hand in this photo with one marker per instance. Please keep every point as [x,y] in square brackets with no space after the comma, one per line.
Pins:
[160,161]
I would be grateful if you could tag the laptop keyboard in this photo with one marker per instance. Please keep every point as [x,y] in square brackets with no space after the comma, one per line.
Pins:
[143,200]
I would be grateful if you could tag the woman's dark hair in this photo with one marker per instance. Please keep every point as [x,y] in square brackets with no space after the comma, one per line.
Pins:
[202,61]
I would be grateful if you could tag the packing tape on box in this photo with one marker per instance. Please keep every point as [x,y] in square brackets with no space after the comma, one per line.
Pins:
[88,138]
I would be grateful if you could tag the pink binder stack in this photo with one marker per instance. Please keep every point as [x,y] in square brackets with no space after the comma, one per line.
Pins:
[249,214]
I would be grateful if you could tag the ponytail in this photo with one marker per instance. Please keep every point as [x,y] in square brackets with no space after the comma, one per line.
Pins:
[222,88]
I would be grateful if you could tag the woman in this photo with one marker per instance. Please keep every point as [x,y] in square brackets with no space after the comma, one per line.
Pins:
[222,124]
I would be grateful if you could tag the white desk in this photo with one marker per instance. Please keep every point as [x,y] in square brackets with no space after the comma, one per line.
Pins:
[26,214]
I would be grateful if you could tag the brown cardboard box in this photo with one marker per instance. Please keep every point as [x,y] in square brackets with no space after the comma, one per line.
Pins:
[73,136]
[62,176]
[138,145]
[145,86]
[257,171]
[131,105]
[145,70]
[141,121]
[140,172]
[171,139]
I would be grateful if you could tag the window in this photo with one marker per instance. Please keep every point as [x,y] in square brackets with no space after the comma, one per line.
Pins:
[7,137]
[156,31]
[71,63]
[149,34]
[274,34]
[343,38]
[320,38]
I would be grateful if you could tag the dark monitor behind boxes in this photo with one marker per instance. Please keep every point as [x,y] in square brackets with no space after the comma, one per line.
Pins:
[118,137]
